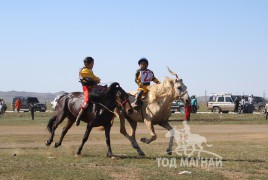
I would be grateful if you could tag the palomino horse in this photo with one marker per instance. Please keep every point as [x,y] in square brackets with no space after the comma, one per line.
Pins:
[154,110]
[69,106]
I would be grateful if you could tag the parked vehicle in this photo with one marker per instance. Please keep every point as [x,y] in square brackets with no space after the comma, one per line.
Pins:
[224,102]
[26,104]
[178,106]
[259,104]
[220,102]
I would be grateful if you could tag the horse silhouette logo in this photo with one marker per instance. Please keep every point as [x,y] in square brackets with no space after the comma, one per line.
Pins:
[189,143]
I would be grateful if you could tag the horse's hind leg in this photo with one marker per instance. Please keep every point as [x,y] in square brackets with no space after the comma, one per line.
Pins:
[59,118]
[170,129]
[50,125]
[85,138]
[151,129]
[69,124]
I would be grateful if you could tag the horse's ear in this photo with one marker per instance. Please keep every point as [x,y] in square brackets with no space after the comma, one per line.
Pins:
[178,80]
[114,85]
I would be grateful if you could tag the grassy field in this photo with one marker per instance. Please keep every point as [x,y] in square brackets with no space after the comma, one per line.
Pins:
[241,140]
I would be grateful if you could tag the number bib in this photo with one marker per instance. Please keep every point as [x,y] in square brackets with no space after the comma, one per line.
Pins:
[146,76]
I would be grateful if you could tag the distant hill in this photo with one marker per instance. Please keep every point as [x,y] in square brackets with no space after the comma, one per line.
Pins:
[43,97]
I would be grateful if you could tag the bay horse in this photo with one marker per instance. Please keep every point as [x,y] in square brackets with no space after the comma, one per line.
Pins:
[69,106]
[154,110]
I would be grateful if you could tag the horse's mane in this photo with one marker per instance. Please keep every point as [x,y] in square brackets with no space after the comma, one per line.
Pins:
[165,88]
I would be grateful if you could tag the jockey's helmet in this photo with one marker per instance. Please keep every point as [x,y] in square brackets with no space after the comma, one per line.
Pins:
[88,60]
[143,60]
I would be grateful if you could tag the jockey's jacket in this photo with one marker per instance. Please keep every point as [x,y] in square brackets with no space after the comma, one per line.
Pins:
[87,77]
[144,77]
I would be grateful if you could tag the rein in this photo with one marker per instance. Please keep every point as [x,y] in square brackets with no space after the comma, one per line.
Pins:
[121,104]
[106,108]
[124,102]
[183,94]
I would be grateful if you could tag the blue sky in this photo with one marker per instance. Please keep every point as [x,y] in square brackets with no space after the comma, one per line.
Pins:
[213,45]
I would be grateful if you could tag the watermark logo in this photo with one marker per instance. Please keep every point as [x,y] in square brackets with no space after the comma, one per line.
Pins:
[190,148]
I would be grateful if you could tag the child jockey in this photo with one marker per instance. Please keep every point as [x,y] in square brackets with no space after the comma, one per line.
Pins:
[143,77]
[87,79]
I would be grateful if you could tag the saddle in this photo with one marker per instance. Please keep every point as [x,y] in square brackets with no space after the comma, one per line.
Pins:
[132,98]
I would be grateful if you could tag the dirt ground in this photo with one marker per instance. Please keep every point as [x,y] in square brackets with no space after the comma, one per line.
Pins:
[215,133]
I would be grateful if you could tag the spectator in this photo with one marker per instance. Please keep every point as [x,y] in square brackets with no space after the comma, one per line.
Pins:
[1,107]
[250,104]
[188,108]
[18,104]
[194,104]
[236,103]
[243,103]
[32,109]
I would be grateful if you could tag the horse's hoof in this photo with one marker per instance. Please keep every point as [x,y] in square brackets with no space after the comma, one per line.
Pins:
[169,152]
[109,155]
[142,154]
[78,155]
[48,143]
[144,140]
[56,145]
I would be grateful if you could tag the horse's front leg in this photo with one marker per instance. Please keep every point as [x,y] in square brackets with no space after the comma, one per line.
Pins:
[131,138]
[69,124]
[108,142]
[171,140]
[151,129]
[133,125]
[85,138]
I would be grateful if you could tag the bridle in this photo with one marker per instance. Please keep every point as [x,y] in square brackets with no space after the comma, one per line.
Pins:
[121,104]
[124,102]
[183,94]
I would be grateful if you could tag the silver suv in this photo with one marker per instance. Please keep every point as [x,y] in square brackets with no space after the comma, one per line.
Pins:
[220,102]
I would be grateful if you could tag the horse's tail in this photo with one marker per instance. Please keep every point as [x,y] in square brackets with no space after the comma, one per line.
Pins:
[51,123]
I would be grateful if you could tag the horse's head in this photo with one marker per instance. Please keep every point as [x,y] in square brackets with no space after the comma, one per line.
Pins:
[180,88]
[122,99]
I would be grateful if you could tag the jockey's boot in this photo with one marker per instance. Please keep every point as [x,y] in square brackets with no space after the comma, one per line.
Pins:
[137,102]
[77,121]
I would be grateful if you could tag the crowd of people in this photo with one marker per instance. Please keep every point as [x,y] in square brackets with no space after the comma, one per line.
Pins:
[244,107]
